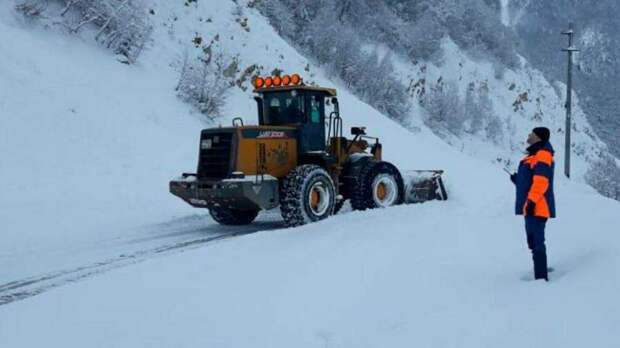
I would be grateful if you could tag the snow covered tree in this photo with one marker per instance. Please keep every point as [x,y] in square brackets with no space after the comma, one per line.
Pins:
[339,34]
[390,95]
[444,107]
[324,30]
[202,82]
[474,25]
[121,25]
[472,109]
[604,176]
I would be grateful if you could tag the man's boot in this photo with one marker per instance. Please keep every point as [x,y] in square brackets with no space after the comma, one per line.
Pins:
[540,265]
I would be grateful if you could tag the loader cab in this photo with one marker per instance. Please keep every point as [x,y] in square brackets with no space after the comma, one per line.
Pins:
[300,107]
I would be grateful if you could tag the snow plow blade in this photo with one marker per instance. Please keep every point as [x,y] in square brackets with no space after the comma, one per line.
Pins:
[424,185]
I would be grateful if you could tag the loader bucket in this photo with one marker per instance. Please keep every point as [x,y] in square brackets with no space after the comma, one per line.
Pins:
[424,185]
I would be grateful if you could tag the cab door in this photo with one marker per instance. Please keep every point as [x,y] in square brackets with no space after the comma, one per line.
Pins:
[312,134]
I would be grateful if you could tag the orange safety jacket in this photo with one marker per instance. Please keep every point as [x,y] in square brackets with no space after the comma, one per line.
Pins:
[534,181]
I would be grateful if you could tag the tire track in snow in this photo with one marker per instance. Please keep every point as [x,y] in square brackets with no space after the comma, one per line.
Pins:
[28,287]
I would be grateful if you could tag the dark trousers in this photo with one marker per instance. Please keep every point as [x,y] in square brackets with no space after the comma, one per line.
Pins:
[535,229]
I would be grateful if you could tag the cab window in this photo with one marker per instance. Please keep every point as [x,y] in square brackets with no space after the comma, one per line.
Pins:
[274,108]
[282,108]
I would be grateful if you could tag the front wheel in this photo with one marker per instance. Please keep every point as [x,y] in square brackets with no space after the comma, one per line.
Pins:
[307,194]
[227,216]
[379,185]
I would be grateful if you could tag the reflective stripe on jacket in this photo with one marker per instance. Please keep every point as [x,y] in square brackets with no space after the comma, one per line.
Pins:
[534,181]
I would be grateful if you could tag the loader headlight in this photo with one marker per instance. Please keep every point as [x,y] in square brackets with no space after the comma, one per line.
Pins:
[206,144]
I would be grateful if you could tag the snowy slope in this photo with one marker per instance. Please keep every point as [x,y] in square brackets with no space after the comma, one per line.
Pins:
[87,145]
[108,137]
[520,99]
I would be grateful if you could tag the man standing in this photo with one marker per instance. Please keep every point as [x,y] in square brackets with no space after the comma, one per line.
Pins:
[535,200]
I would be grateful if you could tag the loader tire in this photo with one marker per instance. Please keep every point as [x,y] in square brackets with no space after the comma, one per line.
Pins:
[338,206]
[307,195]
[233,217]
[379,185]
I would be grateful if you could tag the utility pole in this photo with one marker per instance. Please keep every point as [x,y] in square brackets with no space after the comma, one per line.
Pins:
[569,96]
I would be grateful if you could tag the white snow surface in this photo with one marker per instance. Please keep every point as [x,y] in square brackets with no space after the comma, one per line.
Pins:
[88,146]
[505,12]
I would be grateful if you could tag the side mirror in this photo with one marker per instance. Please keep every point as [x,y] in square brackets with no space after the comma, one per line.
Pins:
[336,106]
[358,131]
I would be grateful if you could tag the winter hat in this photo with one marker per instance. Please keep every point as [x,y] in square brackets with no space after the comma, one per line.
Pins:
[543,133]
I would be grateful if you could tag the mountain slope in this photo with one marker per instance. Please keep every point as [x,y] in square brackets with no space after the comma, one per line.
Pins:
[463,77]
[596,30]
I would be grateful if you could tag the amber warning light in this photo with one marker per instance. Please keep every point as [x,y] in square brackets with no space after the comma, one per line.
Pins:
[276,81]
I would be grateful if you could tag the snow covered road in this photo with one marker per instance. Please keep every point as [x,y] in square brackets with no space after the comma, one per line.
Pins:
[442,274]
[102,256]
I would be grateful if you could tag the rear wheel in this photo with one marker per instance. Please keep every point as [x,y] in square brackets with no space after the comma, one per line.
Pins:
[306,195]
[227,216]
[379,185]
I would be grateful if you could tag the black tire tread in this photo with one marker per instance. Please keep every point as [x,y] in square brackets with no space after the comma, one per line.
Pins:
[361,199]
[291,192]
[233,217]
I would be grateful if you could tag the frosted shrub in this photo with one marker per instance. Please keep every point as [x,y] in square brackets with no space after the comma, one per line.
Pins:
[445,109]
[121,25]
[375,80]
[604,176]
[203,84]
[472,110]
[495,130]
[423,40]
[494,125]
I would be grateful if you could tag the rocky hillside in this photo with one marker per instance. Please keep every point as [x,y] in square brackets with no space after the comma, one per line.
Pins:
[473,72]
